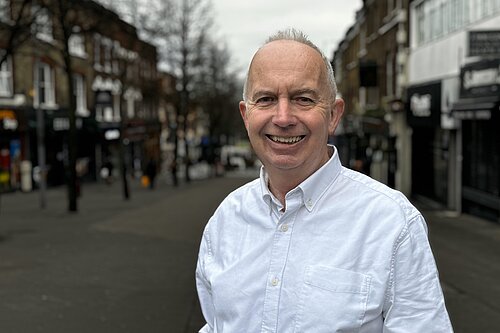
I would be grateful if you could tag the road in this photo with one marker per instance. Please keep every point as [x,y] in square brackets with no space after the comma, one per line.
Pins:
[128,266]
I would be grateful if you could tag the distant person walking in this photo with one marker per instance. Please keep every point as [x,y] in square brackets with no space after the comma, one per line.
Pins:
[151,170]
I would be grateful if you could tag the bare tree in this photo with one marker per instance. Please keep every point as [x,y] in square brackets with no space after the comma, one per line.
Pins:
[17,30]
[181,30]
[219,90]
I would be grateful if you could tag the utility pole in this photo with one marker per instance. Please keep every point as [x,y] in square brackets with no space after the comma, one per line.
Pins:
[40,133]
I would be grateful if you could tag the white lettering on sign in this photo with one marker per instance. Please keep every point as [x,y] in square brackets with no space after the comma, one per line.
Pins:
[420,105]
[483,77]
[112,134]
[10,124]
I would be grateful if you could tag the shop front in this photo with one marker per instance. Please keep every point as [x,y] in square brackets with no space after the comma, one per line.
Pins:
[479,111]
[430,143]
[10,149]
[56,141]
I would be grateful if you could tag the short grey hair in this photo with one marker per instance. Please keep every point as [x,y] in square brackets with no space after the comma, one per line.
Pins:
[297,36]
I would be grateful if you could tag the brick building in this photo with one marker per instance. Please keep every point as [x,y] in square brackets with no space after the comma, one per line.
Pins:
[370,66]
[115,84]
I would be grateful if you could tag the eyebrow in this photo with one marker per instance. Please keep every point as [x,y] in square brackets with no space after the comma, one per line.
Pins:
[265,92]
[260,93]
[306,91]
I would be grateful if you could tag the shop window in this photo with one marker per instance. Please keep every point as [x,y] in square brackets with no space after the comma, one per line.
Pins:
[44,83]
[481,156]
[6,77]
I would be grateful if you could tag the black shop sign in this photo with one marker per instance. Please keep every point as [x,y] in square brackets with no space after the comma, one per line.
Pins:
[423,105]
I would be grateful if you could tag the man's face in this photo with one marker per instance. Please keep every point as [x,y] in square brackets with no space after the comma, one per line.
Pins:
[290,112]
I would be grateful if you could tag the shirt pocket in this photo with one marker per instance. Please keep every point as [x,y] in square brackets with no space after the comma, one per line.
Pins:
[332,300]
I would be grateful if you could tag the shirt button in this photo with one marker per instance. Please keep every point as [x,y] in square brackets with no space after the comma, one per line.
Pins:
[284,227]
[274,282]
[309,203]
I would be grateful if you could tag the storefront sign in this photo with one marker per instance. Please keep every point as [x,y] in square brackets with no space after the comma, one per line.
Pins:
[103,98]
[480,79]
[424,105]
[484,43]
[62,124]
[479,91]
[112,134]
[8,120]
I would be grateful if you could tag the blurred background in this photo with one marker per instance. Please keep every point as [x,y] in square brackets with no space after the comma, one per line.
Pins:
[108,108]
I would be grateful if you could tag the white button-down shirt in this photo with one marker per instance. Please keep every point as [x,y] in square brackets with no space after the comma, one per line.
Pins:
[347,255]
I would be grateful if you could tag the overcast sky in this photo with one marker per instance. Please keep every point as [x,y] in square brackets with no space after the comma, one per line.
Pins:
[245,24]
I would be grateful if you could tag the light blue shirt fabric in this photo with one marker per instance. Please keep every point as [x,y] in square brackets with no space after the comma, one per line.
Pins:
[347,255]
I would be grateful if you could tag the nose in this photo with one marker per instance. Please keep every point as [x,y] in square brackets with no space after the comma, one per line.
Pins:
[284,116]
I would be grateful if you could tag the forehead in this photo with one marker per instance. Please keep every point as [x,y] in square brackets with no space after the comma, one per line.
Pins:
[286,60]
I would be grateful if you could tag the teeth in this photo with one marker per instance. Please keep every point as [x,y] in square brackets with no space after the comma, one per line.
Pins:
[288,140]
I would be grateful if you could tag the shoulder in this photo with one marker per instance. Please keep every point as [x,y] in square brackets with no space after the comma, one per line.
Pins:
[370,192]
[242,198]
[250,190]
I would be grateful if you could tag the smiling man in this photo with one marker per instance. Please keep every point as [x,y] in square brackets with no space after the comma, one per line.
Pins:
[312,246]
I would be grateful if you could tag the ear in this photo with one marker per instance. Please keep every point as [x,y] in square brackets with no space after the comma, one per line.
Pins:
[243,112]
[336,112]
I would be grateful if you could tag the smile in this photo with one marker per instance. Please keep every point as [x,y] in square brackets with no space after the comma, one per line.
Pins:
[286,140]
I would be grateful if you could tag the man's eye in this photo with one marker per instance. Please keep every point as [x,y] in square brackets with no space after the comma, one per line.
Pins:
[262,101]
[304,101]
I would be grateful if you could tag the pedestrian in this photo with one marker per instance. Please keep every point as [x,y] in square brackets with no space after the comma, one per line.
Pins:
[151,169]
[312,246]
[107,172]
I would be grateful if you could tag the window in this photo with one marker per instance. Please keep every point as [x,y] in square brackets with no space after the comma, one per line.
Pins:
[97,52]
[76,43]
[80,95]
[42,25]
[6,77]
[44,83]
[420,23]
[389,70]
[106,45]
[4,10]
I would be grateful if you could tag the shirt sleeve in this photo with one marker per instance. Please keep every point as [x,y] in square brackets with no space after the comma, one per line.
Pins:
[415,301]
[203,286]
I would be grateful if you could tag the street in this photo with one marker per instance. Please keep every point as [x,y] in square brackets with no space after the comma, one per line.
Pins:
[128,266]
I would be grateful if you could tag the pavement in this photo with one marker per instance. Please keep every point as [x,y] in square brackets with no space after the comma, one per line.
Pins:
[128,265]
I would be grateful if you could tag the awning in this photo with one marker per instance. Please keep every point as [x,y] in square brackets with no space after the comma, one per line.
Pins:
[475,108]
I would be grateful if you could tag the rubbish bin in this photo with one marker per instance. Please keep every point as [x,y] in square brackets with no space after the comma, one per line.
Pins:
[26,182]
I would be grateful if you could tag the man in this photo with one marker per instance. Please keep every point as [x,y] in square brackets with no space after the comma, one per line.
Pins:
[312,246]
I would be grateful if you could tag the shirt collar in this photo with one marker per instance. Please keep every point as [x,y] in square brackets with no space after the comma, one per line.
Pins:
[313,187]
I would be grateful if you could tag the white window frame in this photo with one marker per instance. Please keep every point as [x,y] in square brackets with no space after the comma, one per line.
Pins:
[80,90]
[47,84]
[97,52]
[421,23]
[42,25]
[76,43]
[6,84]
[107,45]
[4,10]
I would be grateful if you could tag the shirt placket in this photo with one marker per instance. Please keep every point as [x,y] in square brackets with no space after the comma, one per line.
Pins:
[279,256]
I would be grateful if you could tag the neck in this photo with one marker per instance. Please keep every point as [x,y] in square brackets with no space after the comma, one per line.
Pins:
[283,181]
